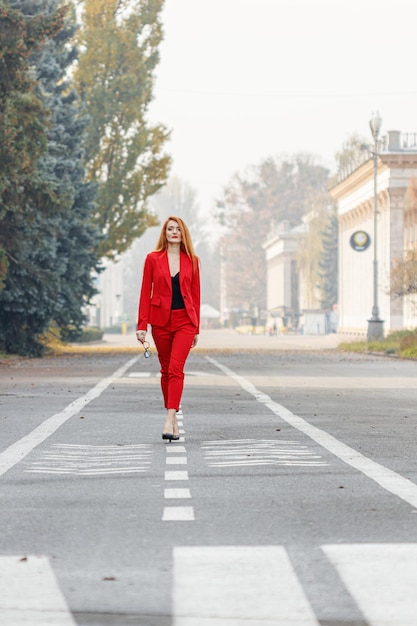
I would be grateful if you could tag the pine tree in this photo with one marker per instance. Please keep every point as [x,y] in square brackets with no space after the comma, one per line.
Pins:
[49,277]
[22,123]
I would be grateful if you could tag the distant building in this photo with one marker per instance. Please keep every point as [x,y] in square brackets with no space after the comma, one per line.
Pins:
[396,232]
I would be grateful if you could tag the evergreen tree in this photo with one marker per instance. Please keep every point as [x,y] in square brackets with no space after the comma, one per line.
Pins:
[328,263]
[49,276]
[124,153]
[22,124]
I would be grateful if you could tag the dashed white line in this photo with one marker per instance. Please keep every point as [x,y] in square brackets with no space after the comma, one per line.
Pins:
[176,460]
[178,514]
[176,475]
[177,494]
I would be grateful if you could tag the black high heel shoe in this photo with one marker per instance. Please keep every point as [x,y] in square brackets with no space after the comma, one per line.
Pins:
[168,436]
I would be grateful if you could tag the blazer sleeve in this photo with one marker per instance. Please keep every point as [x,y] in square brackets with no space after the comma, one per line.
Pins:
[145,295]
[196,292]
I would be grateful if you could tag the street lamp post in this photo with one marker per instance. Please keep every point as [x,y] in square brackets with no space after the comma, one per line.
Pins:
[375,324]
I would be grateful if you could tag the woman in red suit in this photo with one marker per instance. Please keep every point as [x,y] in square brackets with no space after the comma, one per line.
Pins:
[170,303]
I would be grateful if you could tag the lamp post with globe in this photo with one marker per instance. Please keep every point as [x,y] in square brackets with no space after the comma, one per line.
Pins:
[375,324]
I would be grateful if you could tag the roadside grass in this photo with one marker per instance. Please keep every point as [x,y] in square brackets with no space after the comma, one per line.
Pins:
[402,343]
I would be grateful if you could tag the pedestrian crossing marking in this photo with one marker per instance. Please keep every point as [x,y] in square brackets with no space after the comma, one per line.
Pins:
[88,460]
[381,578]
[237,585]
[30,594]
[244,452]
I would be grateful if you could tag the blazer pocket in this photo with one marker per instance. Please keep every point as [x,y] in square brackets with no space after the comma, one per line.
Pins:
[156,301]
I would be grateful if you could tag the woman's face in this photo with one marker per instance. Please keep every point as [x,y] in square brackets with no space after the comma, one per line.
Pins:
[173,233]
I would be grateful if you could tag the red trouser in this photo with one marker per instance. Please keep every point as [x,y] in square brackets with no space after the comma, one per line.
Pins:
[173,343]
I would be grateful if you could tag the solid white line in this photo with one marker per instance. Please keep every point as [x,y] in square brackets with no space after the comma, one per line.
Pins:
[382,578]
[177,493]
[388,479]
[176,448]
[30,595]
[178,514]
[176,475]
[17,451]
[237,586]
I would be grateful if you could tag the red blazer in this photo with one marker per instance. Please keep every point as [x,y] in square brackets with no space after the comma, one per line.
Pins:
[156,291]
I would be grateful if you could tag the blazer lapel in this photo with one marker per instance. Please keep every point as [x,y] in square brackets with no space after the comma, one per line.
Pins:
[184,266]
[165,266]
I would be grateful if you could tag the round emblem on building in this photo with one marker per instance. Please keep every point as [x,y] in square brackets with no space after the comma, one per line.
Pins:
[360,240]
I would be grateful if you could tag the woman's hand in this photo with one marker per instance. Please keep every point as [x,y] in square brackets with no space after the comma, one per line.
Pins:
[195,341]
[141,335]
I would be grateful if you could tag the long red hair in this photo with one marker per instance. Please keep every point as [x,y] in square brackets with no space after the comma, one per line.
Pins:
[186,242]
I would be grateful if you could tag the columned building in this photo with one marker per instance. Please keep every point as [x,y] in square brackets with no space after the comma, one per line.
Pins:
[396,232]
[283,288]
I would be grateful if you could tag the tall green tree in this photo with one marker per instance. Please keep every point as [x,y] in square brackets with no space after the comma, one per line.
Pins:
[125,154]
[49,278]
[23,121]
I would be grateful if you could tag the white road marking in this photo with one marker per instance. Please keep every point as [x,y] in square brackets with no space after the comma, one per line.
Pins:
[178,514]
[18,450]
[88,460]
[177,494]
[176,460]
[30,595]
[237,586]
[139,375]
[388,479]
[176,475]
[246,452]
[175,449]
[382,578]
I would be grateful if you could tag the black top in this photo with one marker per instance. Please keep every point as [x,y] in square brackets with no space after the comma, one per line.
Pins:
[177,299]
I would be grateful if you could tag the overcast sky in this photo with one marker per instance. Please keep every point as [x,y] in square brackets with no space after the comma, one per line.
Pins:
[241,80]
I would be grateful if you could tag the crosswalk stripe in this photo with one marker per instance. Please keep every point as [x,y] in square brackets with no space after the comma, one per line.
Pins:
[30,595]
[234,585]
[237,586]
[382,578]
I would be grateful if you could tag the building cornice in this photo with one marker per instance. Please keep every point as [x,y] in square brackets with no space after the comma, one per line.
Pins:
[364,173]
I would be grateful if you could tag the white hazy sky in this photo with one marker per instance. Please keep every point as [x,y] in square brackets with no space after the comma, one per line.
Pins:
[241,80]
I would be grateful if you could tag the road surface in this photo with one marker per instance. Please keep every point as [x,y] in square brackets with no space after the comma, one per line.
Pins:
[291,499]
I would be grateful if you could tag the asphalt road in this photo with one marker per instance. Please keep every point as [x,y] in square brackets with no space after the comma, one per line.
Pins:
[291,499]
